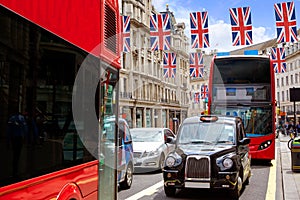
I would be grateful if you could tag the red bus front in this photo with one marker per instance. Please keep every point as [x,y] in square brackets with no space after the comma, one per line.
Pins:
[244,86]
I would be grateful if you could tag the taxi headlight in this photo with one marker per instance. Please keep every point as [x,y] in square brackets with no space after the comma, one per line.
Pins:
[227,163]
[170,161]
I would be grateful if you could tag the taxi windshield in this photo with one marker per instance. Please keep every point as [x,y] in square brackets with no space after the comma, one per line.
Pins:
[206,133]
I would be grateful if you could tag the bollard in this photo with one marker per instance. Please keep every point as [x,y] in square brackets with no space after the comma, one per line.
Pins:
[295,154]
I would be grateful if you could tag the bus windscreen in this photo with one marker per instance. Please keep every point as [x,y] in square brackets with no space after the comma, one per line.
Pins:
[241,71]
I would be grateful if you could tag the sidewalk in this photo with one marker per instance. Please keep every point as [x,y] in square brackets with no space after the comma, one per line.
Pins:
[290,179]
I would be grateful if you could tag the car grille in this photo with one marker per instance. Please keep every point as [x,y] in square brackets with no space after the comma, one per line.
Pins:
[197,168]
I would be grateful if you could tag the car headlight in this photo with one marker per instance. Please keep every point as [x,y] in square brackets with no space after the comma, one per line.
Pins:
[227,163]
[153,153]
[173,160]
[170,161]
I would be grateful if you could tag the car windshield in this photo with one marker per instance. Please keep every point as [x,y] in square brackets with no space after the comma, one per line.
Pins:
[206,133]
[146,136]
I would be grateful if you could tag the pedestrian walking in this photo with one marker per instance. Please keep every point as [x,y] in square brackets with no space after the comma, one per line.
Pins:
[297,128]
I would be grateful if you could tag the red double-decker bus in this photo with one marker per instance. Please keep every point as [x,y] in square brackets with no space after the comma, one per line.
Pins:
[58,81]
[244,86]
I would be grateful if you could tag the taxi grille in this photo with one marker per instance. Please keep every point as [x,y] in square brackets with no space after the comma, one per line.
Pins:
[197,167]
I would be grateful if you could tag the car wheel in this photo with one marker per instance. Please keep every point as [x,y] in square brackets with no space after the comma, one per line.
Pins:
[161,161]
[170,191]
[236,192]
[126,184]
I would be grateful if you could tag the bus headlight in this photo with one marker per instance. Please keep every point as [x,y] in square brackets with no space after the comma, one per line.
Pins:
[265,145]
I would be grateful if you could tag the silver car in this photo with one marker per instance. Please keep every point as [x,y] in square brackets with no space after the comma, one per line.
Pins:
[150,148]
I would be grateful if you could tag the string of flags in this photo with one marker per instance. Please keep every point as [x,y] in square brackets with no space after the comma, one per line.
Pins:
[241,31]
[202,94]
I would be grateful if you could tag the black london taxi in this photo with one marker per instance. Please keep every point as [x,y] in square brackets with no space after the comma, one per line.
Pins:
[211,152]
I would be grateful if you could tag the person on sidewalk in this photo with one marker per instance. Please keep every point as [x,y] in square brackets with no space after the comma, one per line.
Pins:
[298,128]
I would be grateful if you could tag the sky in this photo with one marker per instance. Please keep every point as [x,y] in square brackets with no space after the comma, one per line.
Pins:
[262,16]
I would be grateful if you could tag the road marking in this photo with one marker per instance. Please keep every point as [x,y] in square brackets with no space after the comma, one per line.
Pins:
[271,190]
[147,192]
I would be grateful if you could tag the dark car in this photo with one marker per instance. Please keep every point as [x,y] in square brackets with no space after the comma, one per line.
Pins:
[211,152]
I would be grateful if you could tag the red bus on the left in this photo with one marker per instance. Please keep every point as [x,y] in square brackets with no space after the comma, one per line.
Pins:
[43,45]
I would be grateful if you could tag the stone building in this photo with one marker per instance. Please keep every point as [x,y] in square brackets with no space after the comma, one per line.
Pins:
[197,107]
[147,99]
[287,80]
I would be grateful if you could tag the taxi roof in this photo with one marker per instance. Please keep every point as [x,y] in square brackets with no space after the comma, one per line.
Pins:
[221,119]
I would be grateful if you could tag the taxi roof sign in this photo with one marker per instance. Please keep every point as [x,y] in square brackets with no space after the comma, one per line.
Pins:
[208,118]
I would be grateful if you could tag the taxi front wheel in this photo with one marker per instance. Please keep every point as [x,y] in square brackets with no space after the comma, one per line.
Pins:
[170,191]
[236,192]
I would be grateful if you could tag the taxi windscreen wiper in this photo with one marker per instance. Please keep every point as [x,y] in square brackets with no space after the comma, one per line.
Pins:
[223,141]
[201,142]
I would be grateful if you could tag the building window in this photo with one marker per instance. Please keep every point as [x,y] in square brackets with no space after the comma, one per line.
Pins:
[282,81]
[282,96]
[292,79]
[278,85]
[278,96]
[296,78]
[287,95]
[287,80]
[125,85]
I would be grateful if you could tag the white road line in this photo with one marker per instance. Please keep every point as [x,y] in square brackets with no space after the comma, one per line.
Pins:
[271,190]
[147,192]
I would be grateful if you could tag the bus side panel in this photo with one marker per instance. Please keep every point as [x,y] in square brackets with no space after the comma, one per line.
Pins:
[265,154]
[80,182]
[73,20]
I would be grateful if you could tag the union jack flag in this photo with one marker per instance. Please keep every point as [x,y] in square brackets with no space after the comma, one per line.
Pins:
[196,65]
[126,33]
[278,59]
[199,30]
[241,26]
[169,65]
[285,22]
[204,91]
[197,97]
[160,32]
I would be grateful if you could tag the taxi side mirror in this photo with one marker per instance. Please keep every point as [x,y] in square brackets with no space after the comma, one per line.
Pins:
[170,140]
[244,141]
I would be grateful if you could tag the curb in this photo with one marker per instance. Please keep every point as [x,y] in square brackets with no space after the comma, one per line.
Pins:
[290,179]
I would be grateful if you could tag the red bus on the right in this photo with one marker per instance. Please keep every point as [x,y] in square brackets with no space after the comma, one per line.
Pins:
[243,85]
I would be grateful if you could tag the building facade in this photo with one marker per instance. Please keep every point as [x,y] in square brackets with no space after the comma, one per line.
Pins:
[287,80]
[198,104]
[147,98]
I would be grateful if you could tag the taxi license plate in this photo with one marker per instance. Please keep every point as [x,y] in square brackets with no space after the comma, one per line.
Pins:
[197,185]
